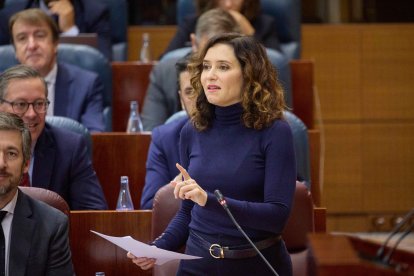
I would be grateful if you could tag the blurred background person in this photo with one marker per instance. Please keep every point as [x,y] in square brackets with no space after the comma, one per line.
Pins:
[72,91]
[161,100]
[247,14]
[71,16]
[163,152]
[238,142]
[59,161]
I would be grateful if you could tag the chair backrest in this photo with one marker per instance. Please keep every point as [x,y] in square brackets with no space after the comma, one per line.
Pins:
[47,196]
[118,13]
[302,150]
[287,14]
[72,125]
[164,208]
[85,57]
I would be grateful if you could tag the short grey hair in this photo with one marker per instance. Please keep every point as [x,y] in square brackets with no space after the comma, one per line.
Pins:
[215,21]
[21,72]
[10,121]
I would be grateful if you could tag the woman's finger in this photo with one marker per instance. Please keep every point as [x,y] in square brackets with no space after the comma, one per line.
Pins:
[183,171]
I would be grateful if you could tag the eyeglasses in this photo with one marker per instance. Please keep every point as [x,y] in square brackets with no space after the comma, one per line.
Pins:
[20,107]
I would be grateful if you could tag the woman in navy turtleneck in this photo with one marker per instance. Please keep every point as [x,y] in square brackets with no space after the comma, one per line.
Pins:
[237,142]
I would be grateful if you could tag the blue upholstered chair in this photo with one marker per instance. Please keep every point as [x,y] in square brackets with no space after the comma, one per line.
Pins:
[302,149]
[72,125]
[287,14]
[83,56]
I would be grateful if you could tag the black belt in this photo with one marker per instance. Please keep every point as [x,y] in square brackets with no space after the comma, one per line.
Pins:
[221,252]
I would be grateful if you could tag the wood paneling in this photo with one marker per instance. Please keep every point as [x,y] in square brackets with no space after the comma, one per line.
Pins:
[130,82]
[336,53]
[116,154]
[363,75]
[91,253]
[160,37]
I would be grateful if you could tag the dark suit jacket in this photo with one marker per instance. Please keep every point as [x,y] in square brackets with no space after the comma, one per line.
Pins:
[62,164]
[79,95]
[264,25]
[163,153]
[39,241]
[90,17]
[162,99]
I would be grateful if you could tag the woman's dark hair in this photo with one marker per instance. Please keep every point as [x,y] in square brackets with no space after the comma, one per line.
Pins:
[262,95]
[250,8]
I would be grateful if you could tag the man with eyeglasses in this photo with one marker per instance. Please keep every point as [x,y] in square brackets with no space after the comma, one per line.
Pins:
[73,92]
[59,160]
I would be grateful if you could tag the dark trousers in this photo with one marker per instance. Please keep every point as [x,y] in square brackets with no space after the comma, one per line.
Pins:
[276,255]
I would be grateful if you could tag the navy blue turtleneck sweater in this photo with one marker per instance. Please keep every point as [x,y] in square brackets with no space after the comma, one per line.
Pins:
[254,169]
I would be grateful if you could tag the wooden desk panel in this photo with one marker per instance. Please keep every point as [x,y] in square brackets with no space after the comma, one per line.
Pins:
[91,253]
[130,81]
[116,154]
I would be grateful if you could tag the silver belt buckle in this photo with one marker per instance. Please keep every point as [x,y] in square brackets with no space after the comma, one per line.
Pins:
[211,249]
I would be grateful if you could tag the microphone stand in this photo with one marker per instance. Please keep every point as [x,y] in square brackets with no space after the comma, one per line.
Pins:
[223,203]
[380,252]
[387,258]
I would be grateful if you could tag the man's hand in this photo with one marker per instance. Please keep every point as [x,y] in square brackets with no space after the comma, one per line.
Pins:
[64,9]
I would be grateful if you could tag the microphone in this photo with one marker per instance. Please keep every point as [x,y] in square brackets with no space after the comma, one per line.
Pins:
[387,258]
[380,253]
[223,203]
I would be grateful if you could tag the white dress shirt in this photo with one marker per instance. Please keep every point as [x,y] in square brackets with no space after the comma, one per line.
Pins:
[50,81]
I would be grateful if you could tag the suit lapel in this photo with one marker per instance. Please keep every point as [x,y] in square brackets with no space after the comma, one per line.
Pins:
[44,159]
[62,85]
[21,236]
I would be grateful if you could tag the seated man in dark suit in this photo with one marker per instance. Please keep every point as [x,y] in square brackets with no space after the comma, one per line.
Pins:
[59,160]
[163,152]
[73,92]
[161,99]
[35,237]
[72,16]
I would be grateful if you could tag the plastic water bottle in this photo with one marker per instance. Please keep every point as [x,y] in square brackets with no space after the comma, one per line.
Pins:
[124,199]
[145,53]
[134,120]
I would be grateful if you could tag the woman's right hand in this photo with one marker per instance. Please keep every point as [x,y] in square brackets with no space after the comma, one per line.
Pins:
[142,262]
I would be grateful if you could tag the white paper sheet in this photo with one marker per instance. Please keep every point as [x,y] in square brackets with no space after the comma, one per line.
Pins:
[140,249]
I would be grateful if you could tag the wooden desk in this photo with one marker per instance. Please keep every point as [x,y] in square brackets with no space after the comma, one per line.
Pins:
[116,154]
[91,253]
[341,255]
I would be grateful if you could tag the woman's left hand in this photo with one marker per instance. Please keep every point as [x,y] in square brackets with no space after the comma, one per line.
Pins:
[188,188]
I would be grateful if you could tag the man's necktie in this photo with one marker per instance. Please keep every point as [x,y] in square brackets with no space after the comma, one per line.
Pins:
[2,246]
[25,180]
